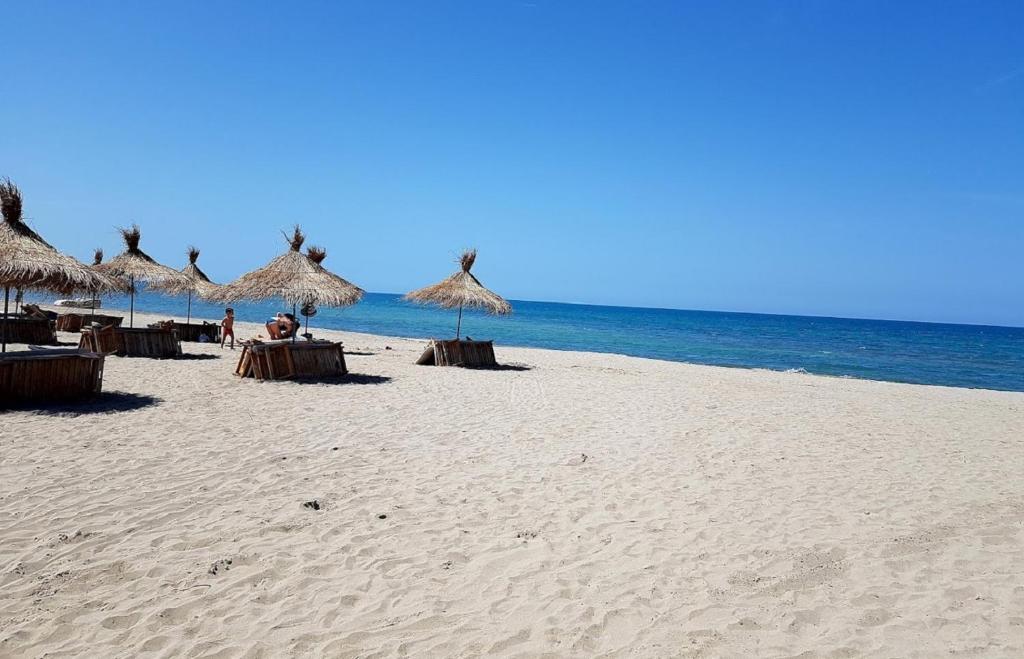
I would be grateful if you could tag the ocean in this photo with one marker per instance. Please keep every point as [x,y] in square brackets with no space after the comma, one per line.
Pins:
[920,353]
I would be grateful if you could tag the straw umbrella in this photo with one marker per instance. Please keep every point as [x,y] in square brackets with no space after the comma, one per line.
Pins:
[29,262]
[196,282]
[462,290]
[135,265]
[294,278]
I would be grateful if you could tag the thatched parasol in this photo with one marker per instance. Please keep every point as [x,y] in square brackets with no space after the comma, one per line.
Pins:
[462,290]
[29,262]
[135,265]
[295,278]
[196,282]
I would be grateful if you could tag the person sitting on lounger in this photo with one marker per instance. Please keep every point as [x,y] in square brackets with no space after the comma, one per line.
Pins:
[282,326]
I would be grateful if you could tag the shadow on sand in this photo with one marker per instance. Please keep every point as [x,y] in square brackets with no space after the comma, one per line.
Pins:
[106,403]
[351,378]
[500,367]
[196,356]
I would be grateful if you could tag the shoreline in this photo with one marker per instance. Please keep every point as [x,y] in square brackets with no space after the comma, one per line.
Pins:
[255,328]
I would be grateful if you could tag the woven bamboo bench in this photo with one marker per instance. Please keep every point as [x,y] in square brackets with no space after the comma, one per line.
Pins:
[74,322]
[282,360]
[37,331]
[458,352]
[131,342]
[50,375]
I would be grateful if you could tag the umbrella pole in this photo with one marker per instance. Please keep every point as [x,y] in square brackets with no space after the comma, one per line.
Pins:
[188,319]
[7,295]
[458,328]
[131,310]
[293,329]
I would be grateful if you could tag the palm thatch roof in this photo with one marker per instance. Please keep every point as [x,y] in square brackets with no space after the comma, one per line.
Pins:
[316,254]
[460,290]
[294,278]
[196,280]
[29,262]
[136,265]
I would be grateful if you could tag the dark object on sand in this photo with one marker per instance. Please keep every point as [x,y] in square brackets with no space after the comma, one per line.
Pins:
[458,353]
[50,375]
[283,360]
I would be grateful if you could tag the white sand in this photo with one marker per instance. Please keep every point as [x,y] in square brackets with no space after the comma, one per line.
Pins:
[592,505]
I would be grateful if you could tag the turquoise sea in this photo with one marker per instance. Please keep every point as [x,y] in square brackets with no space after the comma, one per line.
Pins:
[922,353]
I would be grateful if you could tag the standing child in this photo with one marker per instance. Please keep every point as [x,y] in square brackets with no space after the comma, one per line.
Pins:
[227,327]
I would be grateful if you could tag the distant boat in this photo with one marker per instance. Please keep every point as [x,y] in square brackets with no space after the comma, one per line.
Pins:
[81,303]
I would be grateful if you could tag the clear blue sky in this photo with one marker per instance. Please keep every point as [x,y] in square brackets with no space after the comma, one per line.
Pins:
[857,159]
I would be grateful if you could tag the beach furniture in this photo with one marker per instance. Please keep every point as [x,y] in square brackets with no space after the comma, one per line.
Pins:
[133,265]
[101,340]
[461,290]
[458,352]
[74,322]
[36,331]
[190,331]
[33,311]
[193,331]
[153,342]
[70,322]
[50,375]
[283,360]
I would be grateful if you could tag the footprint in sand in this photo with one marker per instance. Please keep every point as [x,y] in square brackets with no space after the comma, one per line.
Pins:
[223,565]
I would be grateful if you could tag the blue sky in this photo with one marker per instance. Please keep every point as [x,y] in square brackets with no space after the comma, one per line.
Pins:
[857,159]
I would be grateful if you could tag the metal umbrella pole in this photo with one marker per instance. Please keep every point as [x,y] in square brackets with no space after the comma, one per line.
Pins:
[7,295]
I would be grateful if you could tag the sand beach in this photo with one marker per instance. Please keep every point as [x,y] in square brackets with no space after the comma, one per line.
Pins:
[568,505]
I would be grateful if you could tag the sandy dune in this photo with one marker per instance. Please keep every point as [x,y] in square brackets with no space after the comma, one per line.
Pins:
[581,505]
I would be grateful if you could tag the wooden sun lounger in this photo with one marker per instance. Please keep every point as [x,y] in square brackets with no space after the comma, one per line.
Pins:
[152,342]
[282,360]
[192,331]
[189,331]
[50,375]
[26,329]
[458,352]
[74,322]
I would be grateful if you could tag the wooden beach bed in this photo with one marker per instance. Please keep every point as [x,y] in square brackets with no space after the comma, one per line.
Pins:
[283,360]
[50,375]
[192,331]
[158,343]
[74,322]
[27,329]
[458,352]
[189,331]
